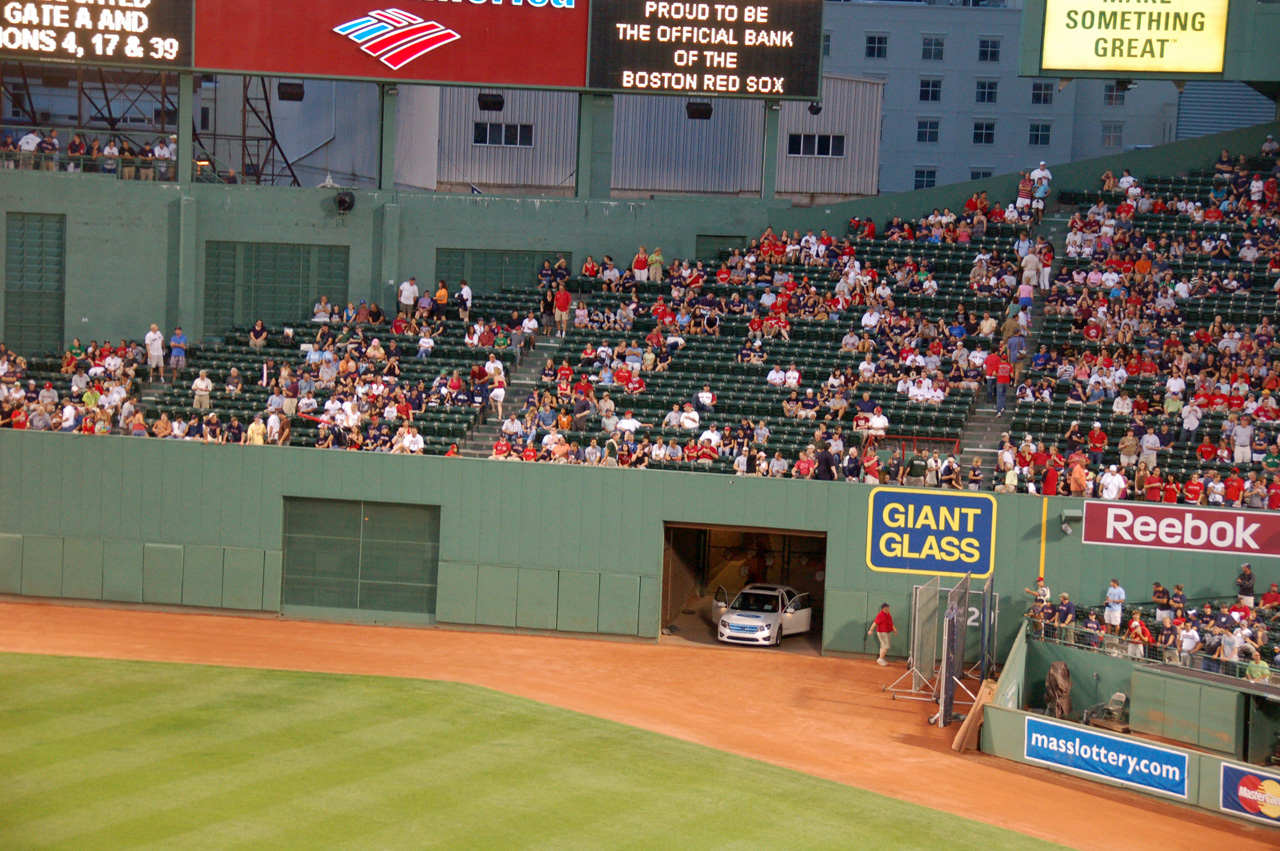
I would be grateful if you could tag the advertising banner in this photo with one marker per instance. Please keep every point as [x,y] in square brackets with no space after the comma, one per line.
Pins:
[494,42]
[941,533]
[1132,763]
[1181,527]
[1251,792]
[1169,37]
[759,49]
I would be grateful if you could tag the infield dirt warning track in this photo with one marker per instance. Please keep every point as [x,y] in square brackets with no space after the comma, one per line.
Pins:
[826,717]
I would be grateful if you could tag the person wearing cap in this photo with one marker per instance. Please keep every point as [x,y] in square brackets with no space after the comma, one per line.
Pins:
[1245,584]
[1097,443]
[1041,172]
[1040,592]
[1112,484]
[1256,671]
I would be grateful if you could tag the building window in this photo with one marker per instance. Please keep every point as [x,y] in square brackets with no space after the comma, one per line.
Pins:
[204,118]
[503,135]
[877,46]
[826,44]
[927,130]
[1112,95]
[979,173]
[988,50]
[984,132]
[814,145]
[930,91]
[1112,134]
[986,92]
[931,50]
[1039,135]
[1042,94]
[926,178]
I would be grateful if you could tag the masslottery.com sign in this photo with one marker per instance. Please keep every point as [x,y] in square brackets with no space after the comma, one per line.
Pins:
[932,532]
[1165,37]
[1126,761]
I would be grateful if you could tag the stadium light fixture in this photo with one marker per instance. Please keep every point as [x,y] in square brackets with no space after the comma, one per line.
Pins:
[815,108]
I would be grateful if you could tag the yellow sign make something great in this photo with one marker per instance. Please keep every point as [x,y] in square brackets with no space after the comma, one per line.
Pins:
[1154,36]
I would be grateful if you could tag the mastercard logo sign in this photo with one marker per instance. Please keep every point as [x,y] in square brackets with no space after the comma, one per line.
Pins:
[1250,793]
[1259,797]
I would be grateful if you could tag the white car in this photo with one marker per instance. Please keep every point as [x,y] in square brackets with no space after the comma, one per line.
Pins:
[761,614]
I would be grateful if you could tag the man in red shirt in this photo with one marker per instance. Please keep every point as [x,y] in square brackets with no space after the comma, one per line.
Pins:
[883,627]
[1233,488]
[1270,602]
[1273,493]
[1004,377]
[1154,488]
[501,449]
[1097,443]
[564,300]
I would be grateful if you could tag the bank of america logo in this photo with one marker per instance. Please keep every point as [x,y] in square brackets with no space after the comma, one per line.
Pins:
[395,37]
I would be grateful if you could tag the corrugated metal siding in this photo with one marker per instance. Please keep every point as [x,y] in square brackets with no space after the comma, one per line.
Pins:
[656,148]
[1212,107]
[851,108]
[551,160]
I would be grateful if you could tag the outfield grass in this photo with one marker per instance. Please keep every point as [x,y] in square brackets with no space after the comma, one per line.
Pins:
[132,755]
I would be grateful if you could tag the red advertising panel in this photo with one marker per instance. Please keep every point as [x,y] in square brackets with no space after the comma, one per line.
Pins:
[1181,527]
[539,43]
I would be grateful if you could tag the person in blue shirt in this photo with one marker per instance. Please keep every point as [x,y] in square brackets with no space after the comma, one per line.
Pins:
[177,352]
[1115,606]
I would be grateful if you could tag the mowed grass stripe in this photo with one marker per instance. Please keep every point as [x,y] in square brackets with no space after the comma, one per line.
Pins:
[248,759]
[198,771]
[183,736]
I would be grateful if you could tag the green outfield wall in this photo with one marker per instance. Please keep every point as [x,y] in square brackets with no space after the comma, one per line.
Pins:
[138,252]
[519,545]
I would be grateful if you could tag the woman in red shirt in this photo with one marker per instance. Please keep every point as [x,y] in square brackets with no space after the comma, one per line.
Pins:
[640,265]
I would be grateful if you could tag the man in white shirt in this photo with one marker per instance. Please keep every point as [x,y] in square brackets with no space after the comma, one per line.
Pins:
[776,376]
[154,341]
[201,387]
[1112,483]
[408,296]
[27,149]
[689,418]
[792,377]
[464,302]
[1041,173]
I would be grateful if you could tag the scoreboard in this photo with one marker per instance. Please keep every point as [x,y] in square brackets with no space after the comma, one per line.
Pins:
[735,48]
[769,47]
[149,33]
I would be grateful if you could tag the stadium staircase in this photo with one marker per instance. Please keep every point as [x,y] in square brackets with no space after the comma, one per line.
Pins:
[522,381]
[984,428]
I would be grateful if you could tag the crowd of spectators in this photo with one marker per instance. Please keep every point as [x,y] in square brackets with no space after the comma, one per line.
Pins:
[35,149]
[1235,636]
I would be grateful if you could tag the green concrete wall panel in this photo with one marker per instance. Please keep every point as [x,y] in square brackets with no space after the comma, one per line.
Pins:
[536,598]
[619,608]
[578,606]
[242,579]
[844,622]
[1147,703]
[202,576]
[496,594]
[1181,709]
[162,574]
[650,606]
[456,593]
[82,568]
[41,566]
[122,570]
[272,577]
[1222,720]
[10,563]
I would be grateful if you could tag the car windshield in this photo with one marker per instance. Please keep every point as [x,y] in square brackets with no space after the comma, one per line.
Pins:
[755,601]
